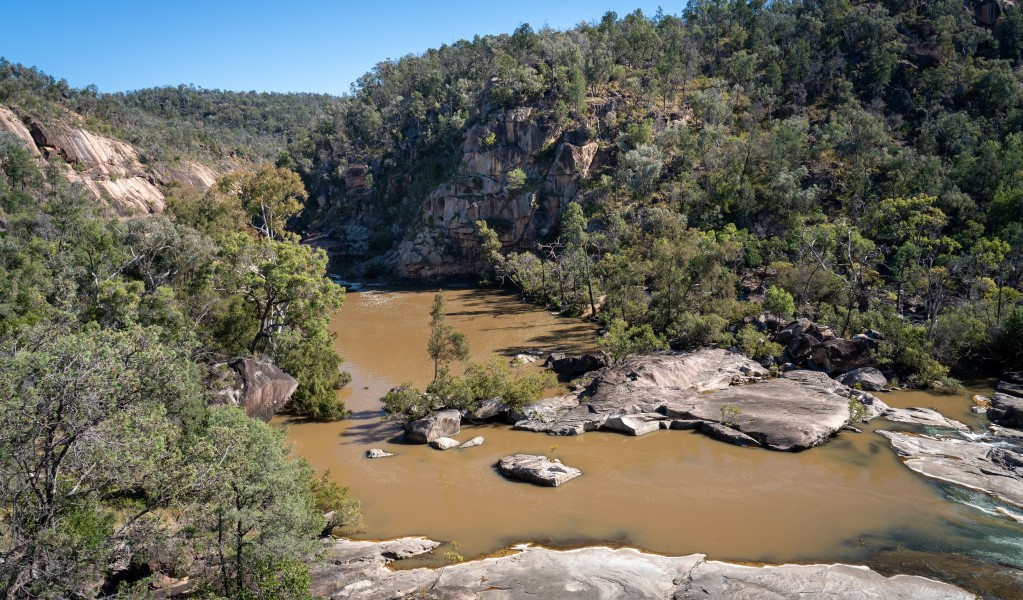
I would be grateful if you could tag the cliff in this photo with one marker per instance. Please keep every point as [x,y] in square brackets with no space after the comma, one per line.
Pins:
[110,169]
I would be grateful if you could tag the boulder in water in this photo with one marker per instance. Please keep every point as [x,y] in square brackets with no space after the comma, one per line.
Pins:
[444,443]
[537,469]
[444,423]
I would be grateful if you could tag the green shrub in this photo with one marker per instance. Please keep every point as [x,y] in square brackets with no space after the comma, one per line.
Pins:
[779,302]
[622,341]
[756,344]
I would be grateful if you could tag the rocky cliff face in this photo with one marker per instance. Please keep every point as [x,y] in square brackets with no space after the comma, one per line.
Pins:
[108,168]
[485,189]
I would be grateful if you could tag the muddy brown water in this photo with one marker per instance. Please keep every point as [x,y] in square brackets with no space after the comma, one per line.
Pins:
[671,492]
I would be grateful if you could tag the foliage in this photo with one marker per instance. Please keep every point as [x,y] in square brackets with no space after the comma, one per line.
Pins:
[515,387]
[407,404]
[445,344]
[336,501]
[756,344]
[623,341]
[729,413]
[779,302]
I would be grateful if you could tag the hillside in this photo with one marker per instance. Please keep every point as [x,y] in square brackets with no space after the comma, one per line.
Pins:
[863,159]
[130,150]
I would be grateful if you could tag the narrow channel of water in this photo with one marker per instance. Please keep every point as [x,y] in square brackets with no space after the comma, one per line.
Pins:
[670,492]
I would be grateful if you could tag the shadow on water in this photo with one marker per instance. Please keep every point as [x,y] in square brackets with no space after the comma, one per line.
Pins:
[369,428]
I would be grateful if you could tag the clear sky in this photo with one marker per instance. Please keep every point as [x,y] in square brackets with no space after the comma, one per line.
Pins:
[297,45]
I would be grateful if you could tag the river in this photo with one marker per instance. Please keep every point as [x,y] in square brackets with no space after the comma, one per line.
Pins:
[671,492]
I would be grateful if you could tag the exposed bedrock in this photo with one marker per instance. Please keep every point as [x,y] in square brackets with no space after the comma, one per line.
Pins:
[357,570]
[799,410]
[989,467]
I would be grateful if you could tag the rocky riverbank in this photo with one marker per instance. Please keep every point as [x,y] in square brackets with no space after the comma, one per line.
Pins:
[720,393]
[358,570]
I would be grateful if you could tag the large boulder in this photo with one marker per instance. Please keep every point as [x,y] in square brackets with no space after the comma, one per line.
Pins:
[800,337]
[1007,401]
[573,366]
[840,355]
[444,423]
[638,424]
[537,469]
[866,378]
[260,387]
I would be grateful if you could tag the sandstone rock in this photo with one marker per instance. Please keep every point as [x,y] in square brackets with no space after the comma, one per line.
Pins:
[342,551]
[444,443]
[476,441]
[537,469]
[1007,401]
[971,464]
[260,387]
[612,574]
[377,453]
[659,378]
[638,424]
[109,169]
[801,336]
[799,410]
[922,416]
[578,365]
[685,424]
[488,409]
[867,378]
[443,423]
[10,123]
[840,355]
[574,421]
[726,434]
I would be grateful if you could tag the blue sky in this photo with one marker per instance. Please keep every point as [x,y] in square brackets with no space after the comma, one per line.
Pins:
[301,45]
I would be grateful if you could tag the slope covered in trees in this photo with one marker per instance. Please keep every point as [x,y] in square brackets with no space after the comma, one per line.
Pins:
[860,157]
[118,457]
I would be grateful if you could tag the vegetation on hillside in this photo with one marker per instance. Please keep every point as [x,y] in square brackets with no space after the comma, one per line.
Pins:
[862,158]
[168,124]
[115,449]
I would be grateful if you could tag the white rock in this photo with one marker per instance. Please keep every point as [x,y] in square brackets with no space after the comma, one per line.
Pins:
[377,453]
[476,441]
[444,443]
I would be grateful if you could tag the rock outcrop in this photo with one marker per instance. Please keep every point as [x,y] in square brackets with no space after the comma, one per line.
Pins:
[816,346]
[444,423]
[1007,402]
[799,410]
[447,243]
[260,388]
[572,366]
[866,378]
[109,169]
[925,417]
[977,465]
[537,469]
[357,570]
